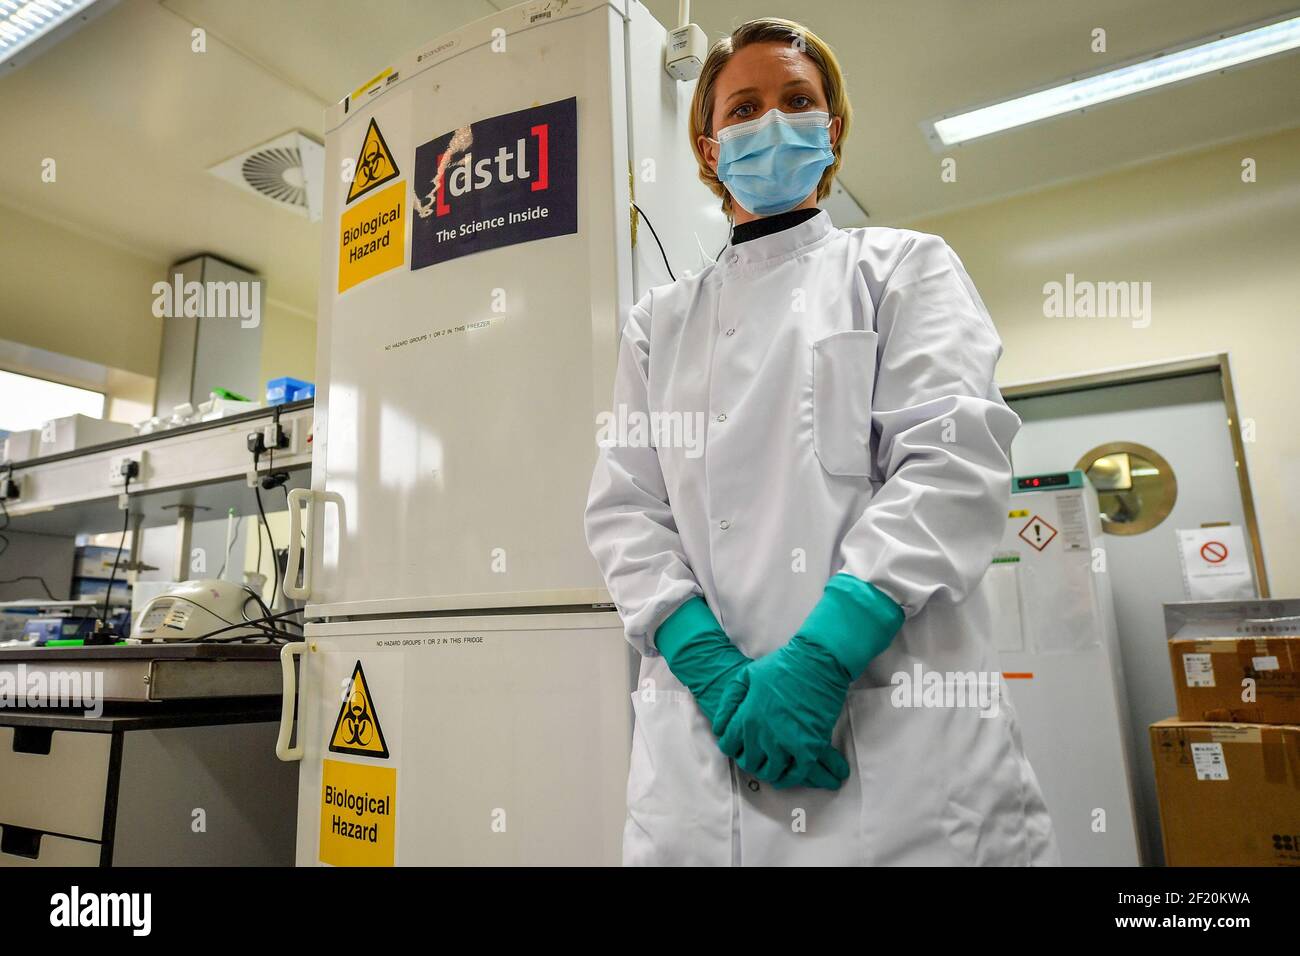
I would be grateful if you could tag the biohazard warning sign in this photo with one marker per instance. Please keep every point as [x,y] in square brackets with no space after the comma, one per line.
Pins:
[357,730]
[375,164]
[1038,533]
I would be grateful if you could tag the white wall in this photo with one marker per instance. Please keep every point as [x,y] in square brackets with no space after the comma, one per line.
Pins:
[1223,258]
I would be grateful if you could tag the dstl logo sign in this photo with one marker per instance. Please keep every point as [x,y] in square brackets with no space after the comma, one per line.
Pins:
[507,179]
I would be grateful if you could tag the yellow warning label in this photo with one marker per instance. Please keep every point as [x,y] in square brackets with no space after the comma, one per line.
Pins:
[371,82]
[375,163]
[1017,514]
[356,729]
[372,237]
[358,812]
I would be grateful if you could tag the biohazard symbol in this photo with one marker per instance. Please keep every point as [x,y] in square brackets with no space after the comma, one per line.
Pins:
[357,730]
[375,164]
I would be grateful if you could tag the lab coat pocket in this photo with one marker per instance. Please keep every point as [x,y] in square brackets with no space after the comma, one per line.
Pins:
[904,781]
[843,374]
[679,796]
[941,785]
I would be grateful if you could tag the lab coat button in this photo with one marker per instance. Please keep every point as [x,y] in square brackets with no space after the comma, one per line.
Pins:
[734,259]
[753,786]
[731,331]
[722,417]
[724,524]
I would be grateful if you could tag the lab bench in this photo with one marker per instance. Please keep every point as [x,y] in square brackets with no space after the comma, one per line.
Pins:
[176,771]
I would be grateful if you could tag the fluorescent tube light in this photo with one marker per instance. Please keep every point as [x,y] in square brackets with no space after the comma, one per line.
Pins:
[1163,69]
[27,26]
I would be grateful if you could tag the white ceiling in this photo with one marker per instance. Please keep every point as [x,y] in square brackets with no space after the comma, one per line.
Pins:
[134,118]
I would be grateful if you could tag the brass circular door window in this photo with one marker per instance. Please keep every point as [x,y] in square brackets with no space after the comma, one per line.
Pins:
[1136,487]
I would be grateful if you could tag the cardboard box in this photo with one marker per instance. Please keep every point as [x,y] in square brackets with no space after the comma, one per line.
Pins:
[1210,674]
[1229,793]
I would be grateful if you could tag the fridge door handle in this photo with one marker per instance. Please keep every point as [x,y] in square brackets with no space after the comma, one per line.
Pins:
[288,699]
[297,498]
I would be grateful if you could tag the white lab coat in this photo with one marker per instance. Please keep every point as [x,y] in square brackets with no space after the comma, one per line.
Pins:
[846,378]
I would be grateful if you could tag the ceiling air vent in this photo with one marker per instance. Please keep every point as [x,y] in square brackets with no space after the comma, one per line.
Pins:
[287,171]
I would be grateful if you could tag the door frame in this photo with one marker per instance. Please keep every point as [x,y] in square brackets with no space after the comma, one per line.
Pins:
[1216,363]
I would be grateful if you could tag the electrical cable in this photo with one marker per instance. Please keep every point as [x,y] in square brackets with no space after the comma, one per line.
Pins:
[275,562]
[258,566]
[272,617]
[35,577]
[126,523]
[229,550]
[4,539]
[657,242]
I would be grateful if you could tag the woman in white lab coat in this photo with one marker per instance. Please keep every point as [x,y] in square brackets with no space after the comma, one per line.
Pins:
[801,586]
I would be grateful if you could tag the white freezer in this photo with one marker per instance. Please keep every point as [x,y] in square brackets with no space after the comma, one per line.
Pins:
[466,344]
[505,739]
[457,402]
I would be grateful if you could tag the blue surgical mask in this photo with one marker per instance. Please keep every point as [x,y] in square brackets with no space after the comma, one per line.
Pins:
[771,164]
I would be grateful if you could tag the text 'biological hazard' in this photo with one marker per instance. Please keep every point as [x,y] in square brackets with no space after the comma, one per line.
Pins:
[372,237]
[358,814]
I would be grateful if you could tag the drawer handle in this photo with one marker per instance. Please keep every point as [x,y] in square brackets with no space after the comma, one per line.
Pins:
[20,841]
[33,740]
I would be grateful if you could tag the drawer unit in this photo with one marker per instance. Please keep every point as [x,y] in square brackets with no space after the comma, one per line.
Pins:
[45,849]
[126,789]
[54,781]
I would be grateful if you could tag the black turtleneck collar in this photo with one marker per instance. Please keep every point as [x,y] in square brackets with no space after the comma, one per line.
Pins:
[770,224]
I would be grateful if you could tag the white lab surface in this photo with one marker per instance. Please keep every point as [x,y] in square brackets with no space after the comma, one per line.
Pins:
[846,378]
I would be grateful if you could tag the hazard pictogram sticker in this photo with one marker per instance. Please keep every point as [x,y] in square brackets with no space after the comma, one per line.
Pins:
[1038,533]
[1214,552]
[375,164]
[357,730]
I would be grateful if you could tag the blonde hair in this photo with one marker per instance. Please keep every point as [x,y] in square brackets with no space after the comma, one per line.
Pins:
[767,30]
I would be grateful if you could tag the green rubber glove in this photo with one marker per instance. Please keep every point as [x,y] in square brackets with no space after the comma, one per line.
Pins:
[699,653]
[702,657]
[775,717]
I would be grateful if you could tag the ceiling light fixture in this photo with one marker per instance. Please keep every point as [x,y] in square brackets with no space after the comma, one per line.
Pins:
[29,26]
[1171,66]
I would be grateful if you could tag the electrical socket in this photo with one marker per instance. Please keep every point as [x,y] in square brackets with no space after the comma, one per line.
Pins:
[118,467]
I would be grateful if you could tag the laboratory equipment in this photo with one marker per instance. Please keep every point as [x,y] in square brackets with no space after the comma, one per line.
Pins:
[192,610]
[1054,627]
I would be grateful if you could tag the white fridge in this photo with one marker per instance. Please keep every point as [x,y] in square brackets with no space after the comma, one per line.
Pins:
[1054,625]
[463,689]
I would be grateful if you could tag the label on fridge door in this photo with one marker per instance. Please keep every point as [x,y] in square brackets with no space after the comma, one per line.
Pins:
[496,182]
[358,814]
[362,725]
[357,729]
[372,236]
[375,164]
